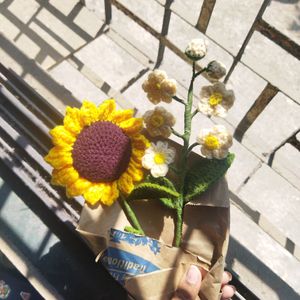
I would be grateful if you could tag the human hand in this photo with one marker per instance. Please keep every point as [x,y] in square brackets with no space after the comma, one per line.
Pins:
[189,286]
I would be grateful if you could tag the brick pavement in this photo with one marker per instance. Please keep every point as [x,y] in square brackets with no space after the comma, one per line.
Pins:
[66,50]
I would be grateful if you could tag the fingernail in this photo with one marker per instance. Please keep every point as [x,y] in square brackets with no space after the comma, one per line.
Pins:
[229,275]
[233,287]
[193,275]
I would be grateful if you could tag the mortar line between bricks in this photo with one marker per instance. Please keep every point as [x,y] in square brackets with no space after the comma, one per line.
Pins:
[263,223]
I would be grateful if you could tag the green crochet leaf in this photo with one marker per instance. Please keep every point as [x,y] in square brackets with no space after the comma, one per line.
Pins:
[168,202]
[163,181]
[148,190]
[203,174]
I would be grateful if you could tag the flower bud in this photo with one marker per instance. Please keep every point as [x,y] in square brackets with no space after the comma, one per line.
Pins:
[196,49]
[216,70]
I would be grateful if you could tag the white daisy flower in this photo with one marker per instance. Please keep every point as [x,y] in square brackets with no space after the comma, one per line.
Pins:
[159,88]
[215,100]
[157,158]
[216,70]
[196,49]
[215,142]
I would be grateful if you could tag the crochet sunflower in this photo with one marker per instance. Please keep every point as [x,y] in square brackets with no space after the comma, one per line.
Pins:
[98,152]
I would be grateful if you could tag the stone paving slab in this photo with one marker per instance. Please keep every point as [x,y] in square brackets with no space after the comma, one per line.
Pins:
[189,10]
[280,69]
[137,35]
[22,11]
[267,269]
[74,81]
[231,22]
[15,60]
[287,163]
[22,222]
[150,12]
[180,33]
[242,82]
[278,121]
[97,7]
[280,205]
[49,31]
[105,57]
[244,165]
[288,20]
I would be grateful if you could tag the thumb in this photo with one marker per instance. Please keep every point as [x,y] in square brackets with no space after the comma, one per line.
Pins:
[189,286]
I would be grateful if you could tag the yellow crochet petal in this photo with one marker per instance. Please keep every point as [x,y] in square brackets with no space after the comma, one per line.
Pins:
[59,157]
[137,155]
[135,172]
[140,142]
[110,193]
[132,126]
[94,193]
[106,109]
[72,120]
[79,187]
[88,113]
[136,163]
[121,115]
[125,183]
[65,176]
[61,136]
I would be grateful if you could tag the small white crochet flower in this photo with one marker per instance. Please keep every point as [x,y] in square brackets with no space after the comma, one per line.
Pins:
[159,122]
[215,142]
[196,49]
[215,100]
[157,158]
[159,88]
[216,70]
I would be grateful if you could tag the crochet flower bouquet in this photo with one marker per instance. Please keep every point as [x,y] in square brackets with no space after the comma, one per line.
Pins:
[144,193]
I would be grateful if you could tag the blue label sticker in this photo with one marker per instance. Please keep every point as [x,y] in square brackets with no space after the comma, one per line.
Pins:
[118,236]
[122,264]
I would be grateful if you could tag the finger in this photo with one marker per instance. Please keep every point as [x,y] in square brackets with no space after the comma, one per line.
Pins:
[227,277]
[189,286]
[228,291]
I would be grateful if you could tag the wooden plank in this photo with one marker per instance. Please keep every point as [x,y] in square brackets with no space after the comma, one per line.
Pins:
[258,106]
[205,14]
[278,37]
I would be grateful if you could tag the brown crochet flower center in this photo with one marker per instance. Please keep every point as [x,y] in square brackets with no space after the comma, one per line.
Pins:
[101,152]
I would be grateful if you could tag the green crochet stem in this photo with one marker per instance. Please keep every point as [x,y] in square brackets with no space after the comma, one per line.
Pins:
[131,215]
[186,149]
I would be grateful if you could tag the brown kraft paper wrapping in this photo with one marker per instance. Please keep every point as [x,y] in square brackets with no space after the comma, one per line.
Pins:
[204,242]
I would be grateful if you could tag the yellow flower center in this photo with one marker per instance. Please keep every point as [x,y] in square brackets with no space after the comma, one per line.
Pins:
[158,85]
[215,99]
[211,142]
[156,120]
[159,158]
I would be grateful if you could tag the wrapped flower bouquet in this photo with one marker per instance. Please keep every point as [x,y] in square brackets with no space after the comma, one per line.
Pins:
[153,207]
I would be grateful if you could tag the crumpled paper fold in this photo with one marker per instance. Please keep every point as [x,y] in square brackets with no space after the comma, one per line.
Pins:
[149,267]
